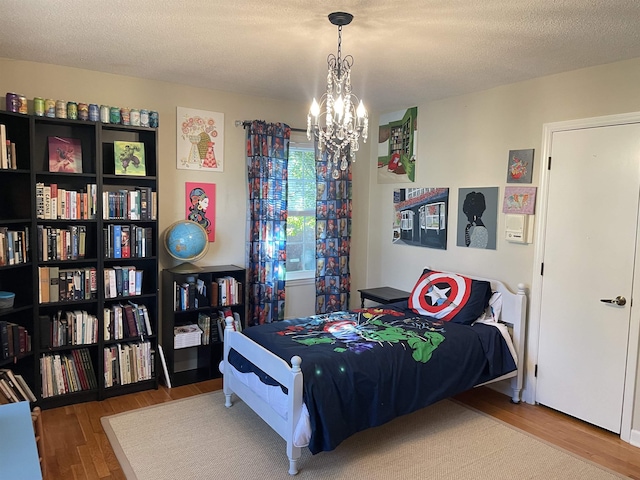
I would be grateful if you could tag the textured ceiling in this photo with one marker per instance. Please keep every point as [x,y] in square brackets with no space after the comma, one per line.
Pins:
[406,52]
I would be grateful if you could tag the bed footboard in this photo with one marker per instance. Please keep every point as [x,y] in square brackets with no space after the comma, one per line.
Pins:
[288,376]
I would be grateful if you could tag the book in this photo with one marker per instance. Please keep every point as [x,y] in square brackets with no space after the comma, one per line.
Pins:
[25,386]
[65,155]
[4,160]
[129,158]
[44,287]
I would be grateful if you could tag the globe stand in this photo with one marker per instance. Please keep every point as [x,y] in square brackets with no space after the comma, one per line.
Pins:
[186,267]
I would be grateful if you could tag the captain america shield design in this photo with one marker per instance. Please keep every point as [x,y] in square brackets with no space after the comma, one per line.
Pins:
[440,295]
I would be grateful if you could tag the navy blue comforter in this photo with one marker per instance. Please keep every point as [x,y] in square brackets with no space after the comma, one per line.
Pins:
[366,367]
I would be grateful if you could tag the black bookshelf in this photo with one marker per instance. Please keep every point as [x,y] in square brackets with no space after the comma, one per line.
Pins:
[200,362]
[54,241]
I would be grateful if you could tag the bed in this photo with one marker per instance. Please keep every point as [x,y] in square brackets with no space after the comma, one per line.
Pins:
[320,379]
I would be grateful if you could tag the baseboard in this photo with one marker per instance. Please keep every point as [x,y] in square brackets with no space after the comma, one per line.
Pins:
[635,438]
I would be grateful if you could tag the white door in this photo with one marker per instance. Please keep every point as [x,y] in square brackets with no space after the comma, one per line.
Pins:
[589,255]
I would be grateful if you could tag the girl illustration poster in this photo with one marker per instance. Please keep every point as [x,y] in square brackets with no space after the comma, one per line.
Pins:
[200,204]
[477,217]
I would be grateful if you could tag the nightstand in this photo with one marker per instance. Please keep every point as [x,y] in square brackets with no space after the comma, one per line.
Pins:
[382,295]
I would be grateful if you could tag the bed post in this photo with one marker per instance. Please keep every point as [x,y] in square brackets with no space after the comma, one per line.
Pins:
[519,329]
[225,387]
[295,410]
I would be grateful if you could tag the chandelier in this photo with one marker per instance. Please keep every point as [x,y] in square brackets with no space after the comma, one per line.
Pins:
[338,128]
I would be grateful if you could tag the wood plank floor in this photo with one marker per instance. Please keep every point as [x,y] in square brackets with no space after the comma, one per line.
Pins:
[77,448]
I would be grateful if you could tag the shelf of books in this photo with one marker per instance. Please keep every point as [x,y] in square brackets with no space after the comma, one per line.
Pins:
[195,306]
[78,251]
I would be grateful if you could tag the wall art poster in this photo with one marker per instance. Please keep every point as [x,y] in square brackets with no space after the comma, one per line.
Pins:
[519,200]
[477,217]
[397,146]
[520,168]
[65,155]
[200,140]
[420,217]
[200,202]
[129,158]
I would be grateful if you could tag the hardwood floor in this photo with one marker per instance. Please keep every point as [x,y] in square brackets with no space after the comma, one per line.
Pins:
[77,448]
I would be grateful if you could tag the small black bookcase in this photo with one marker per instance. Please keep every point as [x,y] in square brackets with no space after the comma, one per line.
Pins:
[194,306]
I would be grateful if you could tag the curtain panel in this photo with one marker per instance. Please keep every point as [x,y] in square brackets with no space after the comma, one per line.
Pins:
[267,156]
[333,235]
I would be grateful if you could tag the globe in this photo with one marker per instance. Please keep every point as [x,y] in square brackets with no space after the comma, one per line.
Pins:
[187,241]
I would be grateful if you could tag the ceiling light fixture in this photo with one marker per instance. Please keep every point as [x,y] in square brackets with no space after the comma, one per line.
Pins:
[339,127]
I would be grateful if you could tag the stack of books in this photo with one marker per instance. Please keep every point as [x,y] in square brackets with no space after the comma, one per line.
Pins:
[186,336]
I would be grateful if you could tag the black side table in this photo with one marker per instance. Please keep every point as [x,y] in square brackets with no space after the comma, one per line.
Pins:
[382,295]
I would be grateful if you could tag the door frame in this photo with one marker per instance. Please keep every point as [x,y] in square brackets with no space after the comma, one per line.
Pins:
[548,129]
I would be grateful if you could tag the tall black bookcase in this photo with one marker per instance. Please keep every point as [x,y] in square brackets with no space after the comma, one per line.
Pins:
[75,247]
[183,303]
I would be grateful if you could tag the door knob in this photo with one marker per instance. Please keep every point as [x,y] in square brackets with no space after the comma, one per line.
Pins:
[618,300]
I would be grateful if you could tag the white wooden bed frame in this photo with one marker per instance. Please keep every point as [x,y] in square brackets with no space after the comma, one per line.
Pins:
[513,314]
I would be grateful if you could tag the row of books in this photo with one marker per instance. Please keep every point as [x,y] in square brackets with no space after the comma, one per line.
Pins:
[128,241]
[196,293]
[76,327]
[125,321]
[67,284]
[128,363]
[61,243]
[216,323]
[14,388]
[67,372]
[53,202]
[139,203]
[122,281]
[14,340]
[14,246]
[8,158]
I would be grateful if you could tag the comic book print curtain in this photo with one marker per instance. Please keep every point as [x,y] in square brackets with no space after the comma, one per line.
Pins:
[333,237]
[267,155]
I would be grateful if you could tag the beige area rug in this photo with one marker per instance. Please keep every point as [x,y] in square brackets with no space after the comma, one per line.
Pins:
[198,438]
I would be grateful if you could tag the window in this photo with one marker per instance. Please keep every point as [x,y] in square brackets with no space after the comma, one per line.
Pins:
[301,198]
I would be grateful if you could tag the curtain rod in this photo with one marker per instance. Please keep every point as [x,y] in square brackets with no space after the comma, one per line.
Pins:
[246,123]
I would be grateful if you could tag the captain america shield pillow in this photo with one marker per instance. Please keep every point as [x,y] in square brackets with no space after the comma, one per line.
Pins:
[449,297]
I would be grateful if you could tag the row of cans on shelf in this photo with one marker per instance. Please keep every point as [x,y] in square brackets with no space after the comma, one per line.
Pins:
[81,111]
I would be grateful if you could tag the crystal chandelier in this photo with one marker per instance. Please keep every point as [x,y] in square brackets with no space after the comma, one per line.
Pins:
[338,128]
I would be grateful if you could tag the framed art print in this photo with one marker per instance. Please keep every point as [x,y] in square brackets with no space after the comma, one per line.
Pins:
[129,158]
[65,155]
[420,217]
[200,140]
[520,168]
[477,217]
[200,206]
[519,200]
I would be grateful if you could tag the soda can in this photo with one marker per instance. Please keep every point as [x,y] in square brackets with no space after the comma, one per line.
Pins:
[72,110]
[153,119]
[105,113]
[38,106]
[125,119]
[61,109]
[94,112]
[114,115]
[83,111]
[13,102]
[144,117]
[50,108]
[134,117]
[23,107]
